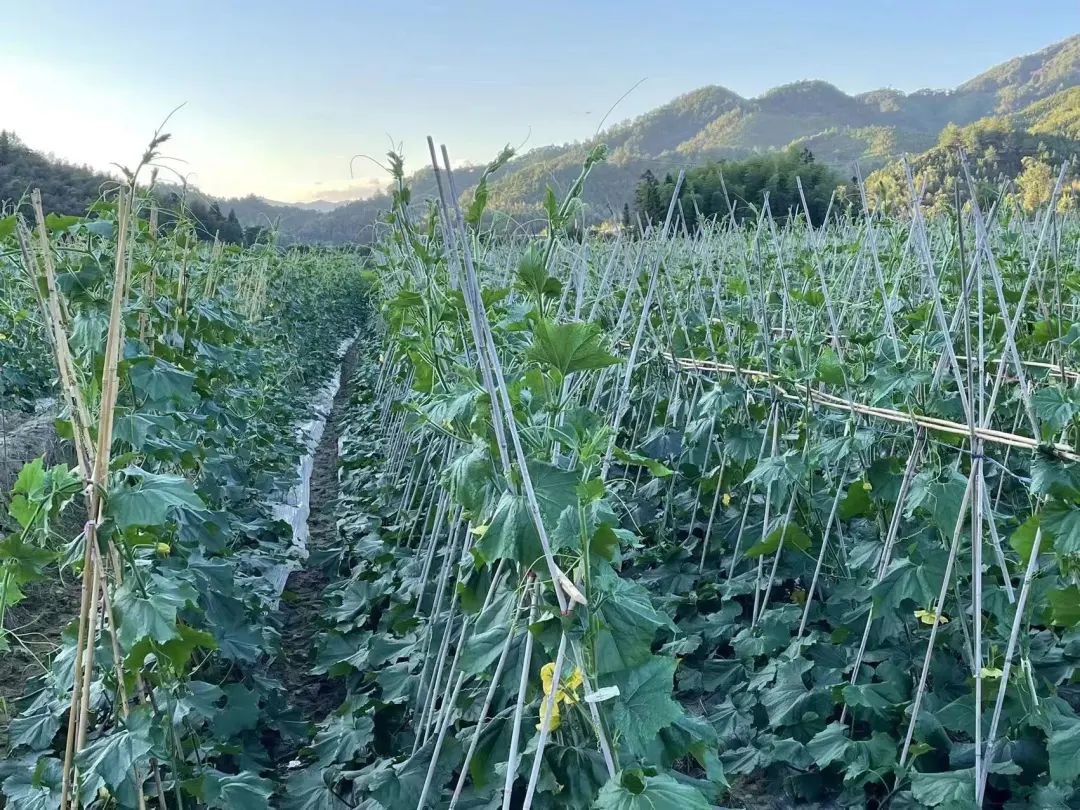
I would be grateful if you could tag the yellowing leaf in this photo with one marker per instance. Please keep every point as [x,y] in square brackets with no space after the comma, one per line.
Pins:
[990,672]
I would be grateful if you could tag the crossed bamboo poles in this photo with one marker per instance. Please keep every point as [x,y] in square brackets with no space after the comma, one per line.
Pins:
[977,385]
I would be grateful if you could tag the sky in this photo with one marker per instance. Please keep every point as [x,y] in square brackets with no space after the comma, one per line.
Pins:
[279,95]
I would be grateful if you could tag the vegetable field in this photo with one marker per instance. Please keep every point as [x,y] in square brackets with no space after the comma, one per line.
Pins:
[763,513]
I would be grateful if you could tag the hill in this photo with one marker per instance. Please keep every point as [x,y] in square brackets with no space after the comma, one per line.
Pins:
[1027,146]
[1024,95]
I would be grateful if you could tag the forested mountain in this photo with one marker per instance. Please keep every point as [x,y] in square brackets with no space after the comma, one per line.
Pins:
[1023,97]
[1027,146]
[70,190]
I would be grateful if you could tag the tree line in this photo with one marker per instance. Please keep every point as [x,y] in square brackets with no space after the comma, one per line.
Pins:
[738,189]
[67,189]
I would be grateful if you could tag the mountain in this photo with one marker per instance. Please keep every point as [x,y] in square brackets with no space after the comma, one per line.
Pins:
[65,187]
[322,206]
[714,123]
[1027,146]
[1023,95]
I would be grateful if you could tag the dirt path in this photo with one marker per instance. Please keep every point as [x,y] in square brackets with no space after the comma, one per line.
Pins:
[302,605]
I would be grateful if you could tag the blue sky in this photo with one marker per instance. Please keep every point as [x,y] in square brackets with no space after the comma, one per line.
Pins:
[279,95]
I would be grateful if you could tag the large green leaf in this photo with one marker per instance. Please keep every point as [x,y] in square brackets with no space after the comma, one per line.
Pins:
[151,614]
[644,705]
[629,622]
[486,639]
[1062,522]
[241,791]
[1055,407]
[110,761]
[790,535]
[158,382]
[511,532]
[37,788]
[636,789]
[785,701]
[144,499]
[1065,606]
[343,738]
[34,729]
[1064,750]
[829,745]
[950,789]
[569,347]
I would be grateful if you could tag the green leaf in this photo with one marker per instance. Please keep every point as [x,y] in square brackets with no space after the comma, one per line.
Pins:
[877,697]
[312,789]
[655,468]
[791,536]
[533,278]
[908,582]
[829,368]
[636,789]
[400,784]
[242,791]
[1022,540]
[1064,750]
[1065,606]
[35,730]
[343,738]
[35,789]
[511,534]
[470,479]
[1055,408]
[784,701]
[569,347]
[485,643]
[1053,476]
[153,615]
[629,620]
[147,499]
[158,382]
[829,745]
[644,705]
[109,761]
[953,789]
[856,503]
[1062,522]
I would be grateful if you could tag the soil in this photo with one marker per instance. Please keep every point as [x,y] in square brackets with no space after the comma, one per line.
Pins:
[24,437]
[302,609]
[37,622]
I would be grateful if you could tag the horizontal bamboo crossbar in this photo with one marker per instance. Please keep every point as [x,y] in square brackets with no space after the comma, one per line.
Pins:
[930,423]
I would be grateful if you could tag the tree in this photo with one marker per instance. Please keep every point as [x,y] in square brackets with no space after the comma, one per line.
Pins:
[1036,184]
[746,183]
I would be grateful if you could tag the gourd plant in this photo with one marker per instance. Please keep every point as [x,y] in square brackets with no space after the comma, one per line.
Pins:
[182,369]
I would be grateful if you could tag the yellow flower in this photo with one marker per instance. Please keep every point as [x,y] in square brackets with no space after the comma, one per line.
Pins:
[164,549]
[726,500]
[867,486]
[927,617]
[566,693]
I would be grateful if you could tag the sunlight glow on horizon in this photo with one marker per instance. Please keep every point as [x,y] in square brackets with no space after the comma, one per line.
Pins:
[278,99]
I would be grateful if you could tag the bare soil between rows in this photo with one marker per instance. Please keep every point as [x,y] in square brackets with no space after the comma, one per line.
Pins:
[302,605]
